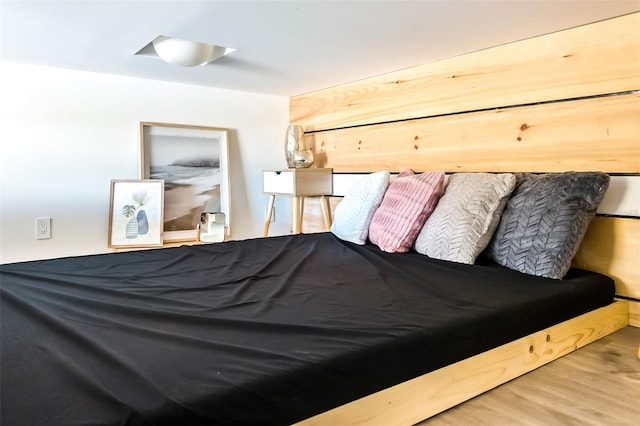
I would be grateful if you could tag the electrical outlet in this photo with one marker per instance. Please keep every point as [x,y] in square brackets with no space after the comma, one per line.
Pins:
[43,228]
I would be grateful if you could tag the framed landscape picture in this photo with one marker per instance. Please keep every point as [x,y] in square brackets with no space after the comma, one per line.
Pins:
[135,213]
[193,163]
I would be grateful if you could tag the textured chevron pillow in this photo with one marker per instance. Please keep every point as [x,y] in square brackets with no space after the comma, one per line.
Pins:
[353,214]
[405,207]
[544,221]
[466,216]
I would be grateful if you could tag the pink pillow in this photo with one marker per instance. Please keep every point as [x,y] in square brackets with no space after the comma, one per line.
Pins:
[406,205]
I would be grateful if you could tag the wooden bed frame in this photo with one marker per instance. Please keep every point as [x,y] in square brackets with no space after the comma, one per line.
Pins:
[563,101]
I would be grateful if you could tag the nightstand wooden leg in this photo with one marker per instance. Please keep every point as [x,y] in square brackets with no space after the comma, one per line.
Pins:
[295,215]
[326,211]
[267,222]
[297,210]
[301,216]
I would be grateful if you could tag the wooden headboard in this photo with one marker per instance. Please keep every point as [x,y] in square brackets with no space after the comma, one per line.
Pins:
[563,101]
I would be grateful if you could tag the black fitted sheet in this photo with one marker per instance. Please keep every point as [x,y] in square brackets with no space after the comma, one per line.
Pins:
[263,331]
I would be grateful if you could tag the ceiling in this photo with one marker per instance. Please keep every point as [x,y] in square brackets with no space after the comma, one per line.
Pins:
[284,48]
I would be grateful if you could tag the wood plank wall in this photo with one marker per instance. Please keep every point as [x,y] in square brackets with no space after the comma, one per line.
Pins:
[602,136]
[563,101]
[588,60]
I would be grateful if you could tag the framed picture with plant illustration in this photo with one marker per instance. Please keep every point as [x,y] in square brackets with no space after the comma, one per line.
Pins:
[135,213]
[193,162]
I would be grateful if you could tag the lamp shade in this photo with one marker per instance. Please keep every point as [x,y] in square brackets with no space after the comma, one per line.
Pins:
[185,53]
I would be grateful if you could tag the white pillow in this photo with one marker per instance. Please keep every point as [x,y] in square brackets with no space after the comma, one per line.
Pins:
[353,214]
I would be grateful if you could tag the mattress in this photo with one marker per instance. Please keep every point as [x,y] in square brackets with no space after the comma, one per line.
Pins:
[262,331]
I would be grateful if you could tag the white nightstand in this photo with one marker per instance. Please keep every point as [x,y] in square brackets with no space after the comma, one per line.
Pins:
[298,183]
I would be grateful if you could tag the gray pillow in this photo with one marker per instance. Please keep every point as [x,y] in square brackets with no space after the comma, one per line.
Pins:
[466,216]
[544,221]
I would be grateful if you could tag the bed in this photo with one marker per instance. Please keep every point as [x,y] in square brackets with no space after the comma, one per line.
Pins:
[315,329]
[264,331]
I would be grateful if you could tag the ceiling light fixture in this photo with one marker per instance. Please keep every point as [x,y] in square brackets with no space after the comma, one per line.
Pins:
[184,53]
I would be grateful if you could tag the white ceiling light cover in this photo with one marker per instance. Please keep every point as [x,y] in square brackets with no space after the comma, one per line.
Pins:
[187,53]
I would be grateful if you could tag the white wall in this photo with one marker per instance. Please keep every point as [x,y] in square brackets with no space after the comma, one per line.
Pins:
[65,134]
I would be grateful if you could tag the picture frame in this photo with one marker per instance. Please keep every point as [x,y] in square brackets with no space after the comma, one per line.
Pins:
[136,213]
[193,161]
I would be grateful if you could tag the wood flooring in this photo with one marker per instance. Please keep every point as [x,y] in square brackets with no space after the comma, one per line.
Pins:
[597,385]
